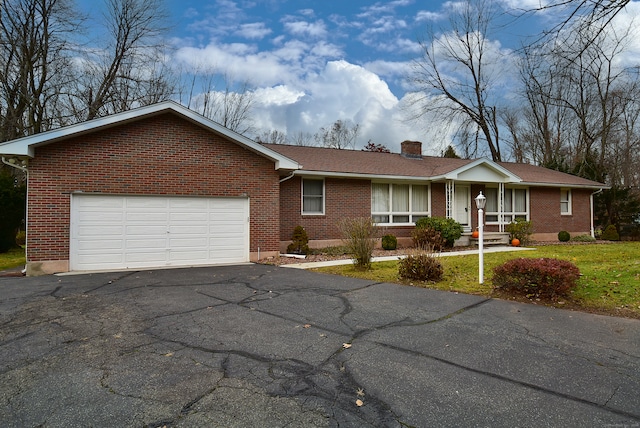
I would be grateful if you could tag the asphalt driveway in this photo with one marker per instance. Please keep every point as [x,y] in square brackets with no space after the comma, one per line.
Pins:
[262,346]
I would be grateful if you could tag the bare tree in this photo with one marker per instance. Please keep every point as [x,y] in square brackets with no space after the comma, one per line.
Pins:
[272,137]
[455,75]
[342,134]
[34,57]
[127,71]
[301,138]
[218,96]
[593,14]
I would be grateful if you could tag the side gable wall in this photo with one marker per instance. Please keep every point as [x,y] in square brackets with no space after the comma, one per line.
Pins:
[163,155]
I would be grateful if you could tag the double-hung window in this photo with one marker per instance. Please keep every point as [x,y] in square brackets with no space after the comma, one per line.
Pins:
[565,201]
[514,207]
[399,203]
[515,204]
[312,196]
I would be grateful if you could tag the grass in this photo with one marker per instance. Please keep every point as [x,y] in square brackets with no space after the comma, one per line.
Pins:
[12,258]
[610,281]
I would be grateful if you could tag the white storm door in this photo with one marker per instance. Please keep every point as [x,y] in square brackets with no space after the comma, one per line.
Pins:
[463,206]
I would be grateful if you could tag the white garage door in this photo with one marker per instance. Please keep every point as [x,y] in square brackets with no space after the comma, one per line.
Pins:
[116,232]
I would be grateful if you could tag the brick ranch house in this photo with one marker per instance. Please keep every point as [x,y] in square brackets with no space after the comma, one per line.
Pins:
[163,186]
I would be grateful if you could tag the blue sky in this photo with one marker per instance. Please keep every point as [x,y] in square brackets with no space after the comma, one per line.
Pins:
[312,62]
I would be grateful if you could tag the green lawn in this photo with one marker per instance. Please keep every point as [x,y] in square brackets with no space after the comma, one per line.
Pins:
[610,281]
[12,258]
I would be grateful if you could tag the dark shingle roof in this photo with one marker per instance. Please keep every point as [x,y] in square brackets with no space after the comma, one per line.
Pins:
[356,162]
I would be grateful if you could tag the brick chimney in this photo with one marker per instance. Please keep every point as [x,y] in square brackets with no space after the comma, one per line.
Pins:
[411,149]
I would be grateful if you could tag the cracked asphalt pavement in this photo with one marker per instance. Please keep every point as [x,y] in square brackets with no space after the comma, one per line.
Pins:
[265,346]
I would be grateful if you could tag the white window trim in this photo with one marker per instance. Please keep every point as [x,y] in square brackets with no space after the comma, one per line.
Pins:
[569,201]
[409,213]
[324,197]
[503,211]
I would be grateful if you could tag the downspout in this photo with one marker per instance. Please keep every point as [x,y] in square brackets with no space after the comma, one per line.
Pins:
[593,232]
[288,177]
[26,210]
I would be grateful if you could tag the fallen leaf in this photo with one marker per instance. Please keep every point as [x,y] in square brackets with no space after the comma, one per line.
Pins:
[359,403]
[307,326]
[168,354]
[360,392]
[346,345]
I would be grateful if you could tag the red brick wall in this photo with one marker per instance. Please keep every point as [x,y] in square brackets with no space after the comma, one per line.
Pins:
[438,200]
[545,211]
[352,198]
[343,198]
[163,155]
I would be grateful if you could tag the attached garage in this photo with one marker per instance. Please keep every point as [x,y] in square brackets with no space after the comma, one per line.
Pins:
[125,232]
[156,186]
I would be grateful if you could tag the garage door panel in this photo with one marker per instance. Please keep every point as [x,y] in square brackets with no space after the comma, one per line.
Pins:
[113,232]
[102,245]
[136,244]
[189,230]
[102,258]
[91,231]
[146,216]
[135,202]
[146,256]
[186,217]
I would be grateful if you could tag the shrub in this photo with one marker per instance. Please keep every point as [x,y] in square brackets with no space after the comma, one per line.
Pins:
[449,229]
[389,242]
[521,230]
[421,265]
[428,238]
[300,241]
[564,236]
[359,235]
[583,238]
[610,233]
[544,277]
[630,232]
[21,238]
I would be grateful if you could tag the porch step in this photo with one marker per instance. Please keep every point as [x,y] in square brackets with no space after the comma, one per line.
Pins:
[491,238]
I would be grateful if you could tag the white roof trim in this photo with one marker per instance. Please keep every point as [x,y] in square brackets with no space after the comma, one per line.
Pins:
[26,146]
[453,175]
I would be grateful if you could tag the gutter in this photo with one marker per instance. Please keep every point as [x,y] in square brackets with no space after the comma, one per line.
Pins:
[26,211]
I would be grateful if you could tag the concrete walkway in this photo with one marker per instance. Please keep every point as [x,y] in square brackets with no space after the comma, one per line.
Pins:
[492,249]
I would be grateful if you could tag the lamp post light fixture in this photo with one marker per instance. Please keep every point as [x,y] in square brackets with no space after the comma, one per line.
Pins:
[481,200]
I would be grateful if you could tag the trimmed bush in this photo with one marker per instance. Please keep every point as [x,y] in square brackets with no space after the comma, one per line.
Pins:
[544,277]
[564,236]
[520,230]
[428,238]
[420,266]
[389,242]
[360,235]
[610,233]
[300,242]
[583,238]
[449,229]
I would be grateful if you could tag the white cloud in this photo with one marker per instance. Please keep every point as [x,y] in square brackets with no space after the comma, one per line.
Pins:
[303,28]
[339,91]
[255,30]
[429,16]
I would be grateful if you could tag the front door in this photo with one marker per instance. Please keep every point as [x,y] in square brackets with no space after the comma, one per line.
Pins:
[462,208]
